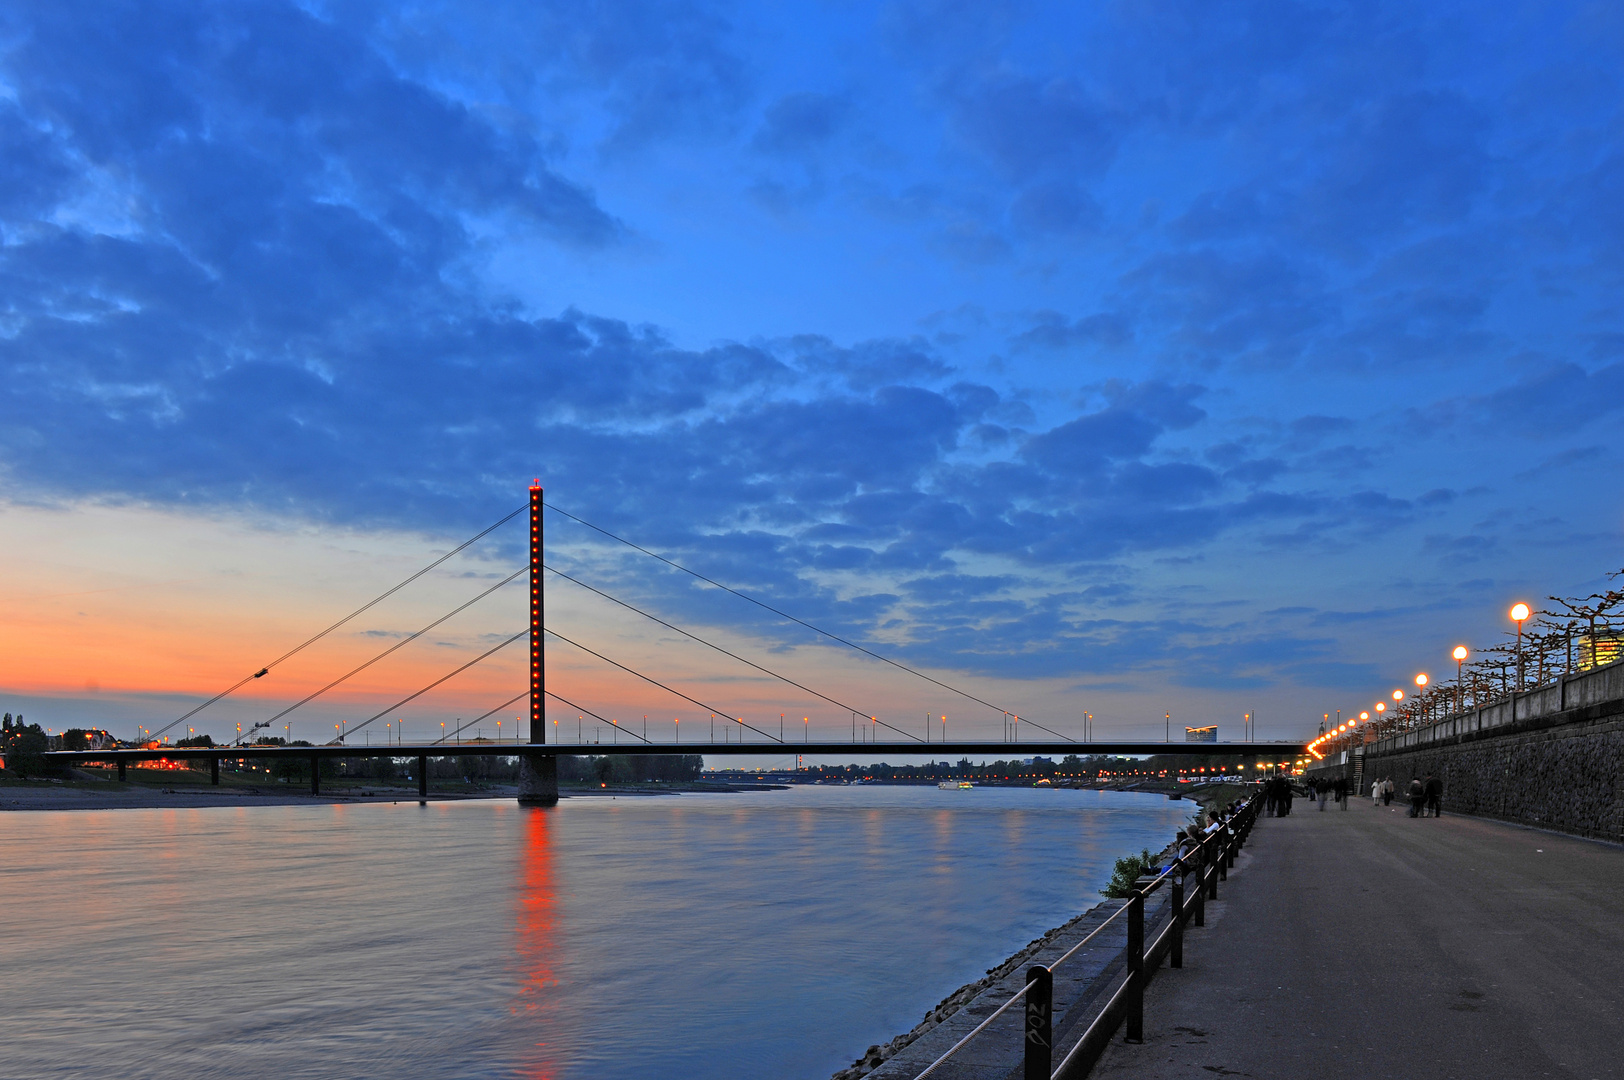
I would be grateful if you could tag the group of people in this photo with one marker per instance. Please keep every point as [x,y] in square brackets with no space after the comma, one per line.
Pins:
[1277,795]
[1321,789]
[1425,795]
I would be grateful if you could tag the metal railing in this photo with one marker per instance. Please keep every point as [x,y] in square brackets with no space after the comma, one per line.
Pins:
[1209,864]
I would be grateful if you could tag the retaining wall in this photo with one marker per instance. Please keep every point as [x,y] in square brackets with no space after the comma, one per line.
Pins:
[1553,757]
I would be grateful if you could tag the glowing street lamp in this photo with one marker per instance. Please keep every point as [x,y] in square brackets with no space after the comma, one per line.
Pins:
[1519,615]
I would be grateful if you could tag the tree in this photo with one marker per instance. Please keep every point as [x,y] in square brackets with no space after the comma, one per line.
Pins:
[24,747]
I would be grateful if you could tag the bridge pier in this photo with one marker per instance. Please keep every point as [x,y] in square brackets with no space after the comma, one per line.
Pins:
[214,771]
[121,770]
[538,780]
[315,775]
[422,776]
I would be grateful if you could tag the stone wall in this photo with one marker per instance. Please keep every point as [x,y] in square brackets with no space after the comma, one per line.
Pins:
[1558,770]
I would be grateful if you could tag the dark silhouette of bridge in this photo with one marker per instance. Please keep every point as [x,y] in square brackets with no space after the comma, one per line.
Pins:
[538,770]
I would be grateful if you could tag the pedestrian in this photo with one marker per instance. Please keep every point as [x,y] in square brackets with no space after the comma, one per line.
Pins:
[1343,786]
[1322,788]
[1286,794]
[1434,789]
[1387,792]
[1418,795]
[1375,793]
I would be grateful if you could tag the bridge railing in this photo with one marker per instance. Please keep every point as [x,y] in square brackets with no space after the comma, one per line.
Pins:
[1207,864]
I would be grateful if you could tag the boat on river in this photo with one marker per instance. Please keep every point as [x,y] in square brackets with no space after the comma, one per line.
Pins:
[954,785]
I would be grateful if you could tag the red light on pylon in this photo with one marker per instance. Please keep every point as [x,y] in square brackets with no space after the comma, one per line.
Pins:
[535,485]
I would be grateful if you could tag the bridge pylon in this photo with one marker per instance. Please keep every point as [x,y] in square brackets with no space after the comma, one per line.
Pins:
[538,773]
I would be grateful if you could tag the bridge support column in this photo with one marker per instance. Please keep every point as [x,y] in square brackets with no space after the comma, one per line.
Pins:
[422,776]
[214,771]
[538,773]
[121,770]
[315,775]
[538,780]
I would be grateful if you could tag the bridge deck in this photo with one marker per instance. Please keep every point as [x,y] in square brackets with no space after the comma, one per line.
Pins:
[1363,943]
[873,751]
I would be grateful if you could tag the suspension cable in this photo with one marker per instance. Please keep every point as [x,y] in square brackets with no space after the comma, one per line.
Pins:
[481,716]
[343,733]
[595,716]
[786,615]
[710,708]
[364,607]
[708,644]
[399,645]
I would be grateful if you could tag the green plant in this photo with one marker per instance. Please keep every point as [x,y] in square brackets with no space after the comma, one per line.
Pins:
[1128,869]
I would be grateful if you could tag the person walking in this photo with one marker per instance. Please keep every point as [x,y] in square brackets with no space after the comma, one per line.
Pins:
[1418,795]
[1322,788]
[1344,788]
[1375,793]
[1387,792]
[1434,789]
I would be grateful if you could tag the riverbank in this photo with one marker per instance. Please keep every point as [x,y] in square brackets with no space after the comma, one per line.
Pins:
[954,1011]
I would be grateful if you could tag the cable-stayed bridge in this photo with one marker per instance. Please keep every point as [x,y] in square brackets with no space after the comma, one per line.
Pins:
[538,784]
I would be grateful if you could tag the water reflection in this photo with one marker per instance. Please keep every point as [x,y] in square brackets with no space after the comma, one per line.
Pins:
[535,943]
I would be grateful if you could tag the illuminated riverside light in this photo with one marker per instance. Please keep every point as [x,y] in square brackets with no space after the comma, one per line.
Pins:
[1520,613]
[1421,679]
[1459,654]
[1398,695]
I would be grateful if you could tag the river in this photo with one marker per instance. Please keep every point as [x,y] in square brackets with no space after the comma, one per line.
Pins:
[717,935]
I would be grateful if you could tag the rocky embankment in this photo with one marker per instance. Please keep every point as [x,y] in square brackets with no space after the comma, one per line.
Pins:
[877,1054]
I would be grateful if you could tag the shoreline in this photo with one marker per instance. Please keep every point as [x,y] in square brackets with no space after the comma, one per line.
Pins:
[1203,795]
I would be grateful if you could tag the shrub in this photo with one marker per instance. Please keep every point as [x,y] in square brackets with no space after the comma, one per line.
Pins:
[1129,868]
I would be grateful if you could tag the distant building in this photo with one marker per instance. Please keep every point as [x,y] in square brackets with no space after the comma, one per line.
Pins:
[1600,649]
[1201,734]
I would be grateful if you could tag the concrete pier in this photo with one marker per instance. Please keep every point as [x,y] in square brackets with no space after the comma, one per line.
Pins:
[538,780]
[1367,943]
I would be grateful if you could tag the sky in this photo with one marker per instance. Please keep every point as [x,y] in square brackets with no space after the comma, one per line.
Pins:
[1130,359]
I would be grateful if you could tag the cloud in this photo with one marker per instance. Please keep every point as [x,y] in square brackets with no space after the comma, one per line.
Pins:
[801,122]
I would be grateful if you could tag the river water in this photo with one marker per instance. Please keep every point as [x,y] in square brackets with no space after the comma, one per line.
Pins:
[764,934]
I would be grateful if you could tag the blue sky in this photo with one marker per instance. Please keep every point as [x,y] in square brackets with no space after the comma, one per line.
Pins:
[1214,356]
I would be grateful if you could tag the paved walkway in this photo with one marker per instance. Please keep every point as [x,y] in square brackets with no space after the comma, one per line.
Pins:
[1366,944]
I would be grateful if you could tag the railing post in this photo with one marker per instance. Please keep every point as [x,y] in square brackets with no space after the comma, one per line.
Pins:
[1215,865]
[1176,956]
[1200,887]
[422,776]
[1039,1022]
[1136,968]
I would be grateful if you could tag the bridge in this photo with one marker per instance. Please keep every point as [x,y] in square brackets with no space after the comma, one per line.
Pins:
[538,780]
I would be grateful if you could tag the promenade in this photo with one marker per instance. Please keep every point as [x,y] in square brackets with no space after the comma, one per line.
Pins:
[1363,943]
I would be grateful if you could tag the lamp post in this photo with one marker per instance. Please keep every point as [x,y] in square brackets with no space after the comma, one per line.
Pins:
[1460,655]
[1519,615]
[1421,681]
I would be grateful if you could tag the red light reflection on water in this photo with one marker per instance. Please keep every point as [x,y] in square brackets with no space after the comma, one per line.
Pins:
[537,919]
